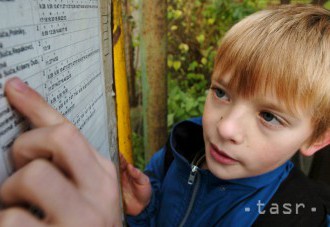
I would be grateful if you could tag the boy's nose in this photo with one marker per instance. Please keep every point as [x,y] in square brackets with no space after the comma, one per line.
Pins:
[231,127]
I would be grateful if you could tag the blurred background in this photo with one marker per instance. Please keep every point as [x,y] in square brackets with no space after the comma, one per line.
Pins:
[170,46]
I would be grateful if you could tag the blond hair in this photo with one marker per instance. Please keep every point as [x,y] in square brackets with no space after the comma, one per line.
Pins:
[285,50]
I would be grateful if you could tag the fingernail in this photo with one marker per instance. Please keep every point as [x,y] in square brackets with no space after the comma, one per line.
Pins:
[145,179]
[135,170]
[18,84]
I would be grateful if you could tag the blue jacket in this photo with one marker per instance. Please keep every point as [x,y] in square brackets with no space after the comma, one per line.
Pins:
[185,195]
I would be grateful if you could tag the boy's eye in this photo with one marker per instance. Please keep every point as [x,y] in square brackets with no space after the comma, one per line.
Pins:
[220,93]
[270,118]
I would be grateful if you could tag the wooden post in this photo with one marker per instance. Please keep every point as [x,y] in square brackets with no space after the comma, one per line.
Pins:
[153,68]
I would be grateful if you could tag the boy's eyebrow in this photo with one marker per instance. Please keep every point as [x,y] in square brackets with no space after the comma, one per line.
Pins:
[271,105]
[220,81]
[264,103]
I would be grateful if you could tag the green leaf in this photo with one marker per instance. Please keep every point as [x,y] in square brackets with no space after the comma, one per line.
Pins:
[192,66]
[197,3]
[200,38]
[204,61]
[189,106]
[170,119]
[174,27]
[176,65]
[184,47]
[169,63]
[211,21]
[177,14]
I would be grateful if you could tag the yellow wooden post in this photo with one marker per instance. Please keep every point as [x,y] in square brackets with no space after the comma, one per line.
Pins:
[121,88]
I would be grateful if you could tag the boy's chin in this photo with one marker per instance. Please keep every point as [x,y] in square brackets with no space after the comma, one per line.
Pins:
[223,172]
[230,172]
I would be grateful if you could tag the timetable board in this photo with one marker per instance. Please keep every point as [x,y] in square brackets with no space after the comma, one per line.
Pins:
[55,46]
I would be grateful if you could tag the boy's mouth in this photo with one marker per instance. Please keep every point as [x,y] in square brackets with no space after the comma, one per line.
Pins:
[220,156]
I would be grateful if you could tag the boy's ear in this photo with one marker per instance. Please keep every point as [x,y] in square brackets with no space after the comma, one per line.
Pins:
[316,146]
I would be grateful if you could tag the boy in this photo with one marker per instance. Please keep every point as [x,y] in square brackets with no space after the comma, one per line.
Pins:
[269,98]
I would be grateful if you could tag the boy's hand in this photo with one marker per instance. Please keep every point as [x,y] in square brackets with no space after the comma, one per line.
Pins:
[56,170]
[136,188]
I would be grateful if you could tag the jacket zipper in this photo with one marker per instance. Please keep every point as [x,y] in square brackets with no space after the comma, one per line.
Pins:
[192,177]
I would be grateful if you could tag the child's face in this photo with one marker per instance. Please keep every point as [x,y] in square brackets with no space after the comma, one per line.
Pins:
[247,137]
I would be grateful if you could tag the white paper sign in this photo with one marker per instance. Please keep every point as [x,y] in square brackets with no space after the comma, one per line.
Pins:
[55,47]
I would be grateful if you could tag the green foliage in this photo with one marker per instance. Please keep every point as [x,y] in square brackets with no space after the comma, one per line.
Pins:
[138,151]
[195,29]
[327,5]
[185,104]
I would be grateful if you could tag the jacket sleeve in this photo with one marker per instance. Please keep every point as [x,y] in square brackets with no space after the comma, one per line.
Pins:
[155,172]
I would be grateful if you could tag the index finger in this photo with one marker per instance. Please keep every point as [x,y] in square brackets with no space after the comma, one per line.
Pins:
[31,104]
